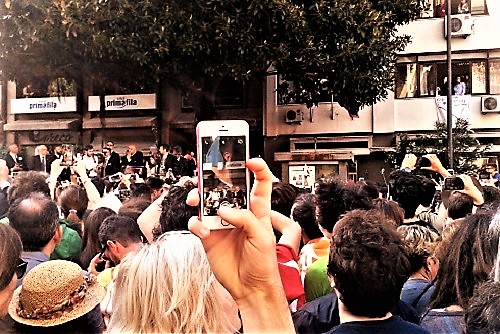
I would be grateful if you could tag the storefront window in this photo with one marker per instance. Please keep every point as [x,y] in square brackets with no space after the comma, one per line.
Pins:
[495,76]
[406,80]
[427,79]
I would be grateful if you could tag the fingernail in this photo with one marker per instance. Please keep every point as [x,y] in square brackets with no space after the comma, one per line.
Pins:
[204,232]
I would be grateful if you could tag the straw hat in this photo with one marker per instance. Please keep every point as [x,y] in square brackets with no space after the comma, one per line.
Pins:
[54,293]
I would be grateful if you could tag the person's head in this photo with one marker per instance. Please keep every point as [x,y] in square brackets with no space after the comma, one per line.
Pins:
[458,79]
[334,198]
[106,151]
[90,240]
[73,201]
[61,287]
[367,188]
[406,189]
[36,219]
[390,209]
[26,183]
[164,149]
[428,191]
[482,315]
[58,149]
[42,150]
[10,248]
[110,145]
[459,205]
[282,197]
[368,263]
[177,151]
[155,185]
[491,197]
[304,213]
[468,262]
[175,213]
[420,243]
[88,150]
[134,206]
[118,236]
[168,287]
[491,168]
[13,148]
[132,149]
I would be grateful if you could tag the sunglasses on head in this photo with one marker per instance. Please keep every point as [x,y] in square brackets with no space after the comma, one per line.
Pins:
[21,268]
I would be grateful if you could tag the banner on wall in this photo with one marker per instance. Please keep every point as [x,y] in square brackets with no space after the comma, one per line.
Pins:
[460,107]
[36,105]
[123,102]
[302,176]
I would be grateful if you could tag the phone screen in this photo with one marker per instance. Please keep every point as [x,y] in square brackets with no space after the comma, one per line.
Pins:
[223,176]
[453,183]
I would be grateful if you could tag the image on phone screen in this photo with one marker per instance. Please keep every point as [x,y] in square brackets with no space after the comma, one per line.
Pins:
[224,173]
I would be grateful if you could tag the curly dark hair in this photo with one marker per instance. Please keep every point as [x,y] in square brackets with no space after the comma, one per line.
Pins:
[368,263]
[175,212]
[406,189]
[282,197]
[334,198]
[468,261]
[304,213]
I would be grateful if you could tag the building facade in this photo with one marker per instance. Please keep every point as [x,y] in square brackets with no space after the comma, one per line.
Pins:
[326,141]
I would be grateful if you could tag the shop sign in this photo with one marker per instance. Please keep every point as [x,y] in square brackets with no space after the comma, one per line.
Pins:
[123,102]
[302,176]
[37,105]
[51,137]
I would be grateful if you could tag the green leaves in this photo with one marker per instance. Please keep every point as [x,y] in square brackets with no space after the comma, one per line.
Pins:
[350,43]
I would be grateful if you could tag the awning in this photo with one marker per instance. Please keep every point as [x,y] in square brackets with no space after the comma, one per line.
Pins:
[119,122]
[61,124]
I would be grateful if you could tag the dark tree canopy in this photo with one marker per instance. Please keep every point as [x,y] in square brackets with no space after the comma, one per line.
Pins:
[347,47]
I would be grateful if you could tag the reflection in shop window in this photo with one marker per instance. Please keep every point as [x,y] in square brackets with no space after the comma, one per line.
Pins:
[478,77]
[406,80]
[495,76]
[427,79]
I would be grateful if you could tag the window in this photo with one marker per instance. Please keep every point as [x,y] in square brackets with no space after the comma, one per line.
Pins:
[428,79]
[229,93]
[437,8]
[494,76]
[406,80]
[420,79]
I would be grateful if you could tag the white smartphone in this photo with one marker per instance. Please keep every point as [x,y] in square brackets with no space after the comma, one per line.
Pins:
[223,178]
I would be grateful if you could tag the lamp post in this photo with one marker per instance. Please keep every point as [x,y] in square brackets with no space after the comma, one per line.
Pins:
[449,106]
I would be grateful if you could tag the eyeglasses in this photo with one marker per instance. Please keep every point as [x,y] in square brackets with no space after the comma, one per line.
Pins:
[21,268]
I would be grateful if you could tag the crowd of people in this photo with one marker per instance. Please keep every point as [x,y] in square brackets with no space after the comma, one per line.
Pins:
[345,259]
[108,162]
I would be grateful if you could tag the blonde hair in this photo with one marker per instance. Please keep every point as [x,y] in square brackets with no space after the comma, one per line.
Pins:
[168,287]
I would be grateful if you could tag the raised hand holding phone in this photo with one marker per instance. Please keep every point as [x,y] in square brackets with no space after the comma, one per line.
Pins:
[223,180]
[244,258]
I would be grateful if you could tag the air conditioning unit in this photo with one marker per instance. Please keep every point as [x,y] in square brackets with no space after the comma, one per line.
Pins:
[490,104]
[461,25]
[294,116]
